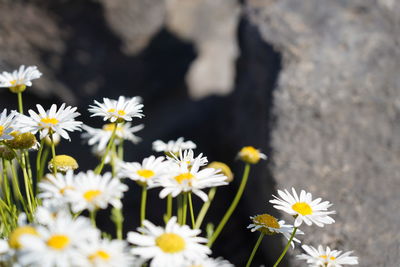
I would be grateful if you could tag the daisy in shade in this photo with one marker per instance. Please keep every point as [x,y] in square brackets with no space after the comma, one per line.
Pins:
[173,146]
[326,257]
[56,187]
[171,246]
[5,125]
[187,156]
[58,244]
[50,209]
[184,178]
[59,121]
[93,191]
[209,262]
[269,225]
[304,208]
[119,110]
[100,137]
[143,173]
[19,79]
[109,253]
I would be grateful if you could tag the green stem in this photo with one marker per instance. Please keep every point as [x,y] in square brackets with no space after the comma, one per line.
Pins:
[169,207]
[191,209]
[43,161]
[100,167]
[184,212]
[143,205]
[53,154]
[6,184]
[38,165]
[204,209]
[121,149]
[286,247]
[179,201]
[20,104]
[17,187]
[93,217]
[255,249]
[232,206]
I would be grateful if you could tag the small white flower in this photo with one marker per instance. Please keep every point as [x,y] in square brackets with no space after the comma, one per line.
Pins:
[117,110]
[326,257]
[187,157]
[100,137]
[270,225]
[22,76]
[56,187]
[173,146]
[304,208]
[58,244]
[145,173]
[50,209]
[209,262]
[57,121]
[5,125]
[93,191]
[169,247]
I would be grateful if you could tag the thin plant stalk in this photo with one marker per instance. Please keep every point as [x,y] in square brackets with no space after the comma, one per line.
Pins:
[143,205]
[6,184]
[179,201]
[38,165]
[286,247]
[169,207]
[16,186]
[20,104]
[184,207]
[205,207]
[255,249]
[232,207]
[93,217]
[191,209]
[100,167]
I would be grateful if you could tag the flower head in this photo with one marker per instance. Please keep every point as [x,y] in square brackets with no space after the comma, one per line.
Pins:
[118,110]
[173,146]
[326,257]
[19,79]
[304,208]
[63,163]
[23,141]
[251,155]
[186,157]
[5,125]
[223,168]
[56,187]
[170,246]
[209,262]
[51,121]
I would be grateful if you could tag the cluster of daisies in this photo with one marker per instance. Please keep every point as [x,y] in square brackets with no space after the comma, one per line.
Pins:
[48,209]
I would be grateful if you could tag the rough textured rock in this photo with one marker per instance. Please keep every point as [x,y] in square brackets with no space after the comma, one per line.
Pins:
[337,107]
[211,25]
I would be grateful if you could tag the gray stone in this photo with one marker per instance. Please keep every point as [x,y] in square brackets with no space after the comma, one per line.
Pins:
[337,107]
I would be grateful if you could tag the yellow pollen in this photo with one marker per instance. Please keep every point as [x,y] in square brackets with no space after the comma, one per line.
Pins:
[170,243]
[145,173]
[121,112]
[111,110]
[249,154]
[1,130]
[58,242]
[266,220]
[48,120]
[302,208]
[13,82]
[100,254]
[184,177]
[91,194]
[323,256]
[110,127]
[13,241]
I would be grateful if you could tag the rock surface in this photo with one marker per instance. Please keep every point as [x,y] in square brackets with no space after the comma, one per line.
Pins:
[337,107]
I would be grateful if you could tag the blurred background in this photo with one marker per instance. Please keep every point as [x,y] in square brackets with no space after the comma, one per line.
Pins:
[314,84]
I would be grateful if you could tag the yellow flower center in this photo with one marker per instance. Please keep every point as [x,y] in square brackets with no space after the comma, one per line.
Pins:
[17,86]
[249,155]
[91,194]
[58,242]
[111,110]
[170,243]
[184,177]
[145,173]
[266,220]
[302,208]
[48,120]
[62,190]
[110,127]
[326,257]
[64,162]
[13,241]
[13,82]
[119,112]
[1,130]
[100,254]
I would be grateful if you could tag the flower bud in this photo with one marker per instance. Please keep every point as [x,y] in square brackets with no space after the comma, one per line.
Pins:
[223,168]
[22,140]
[63,163]
[251,155]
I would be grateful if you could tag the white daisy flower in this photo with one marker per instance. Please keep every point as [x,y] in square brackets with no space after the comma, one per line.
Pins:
[183,178]
[187,157]
[169,247]
[173,146]
[303,208]
[50,209]
[100,137]
[119,110]
[93,191]
[144,173]
[57,121]
[209,262]
[5,124]
[109,253]
[59,243]
[56,187]
[269,225]
[326,257]
[19,79]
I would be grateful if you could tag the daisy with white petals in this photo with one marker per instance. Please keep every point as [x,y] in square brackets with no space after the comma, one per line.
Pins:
[173,146]
[19,79]
[170,247]
[123,109]
[326,257]
[100,137]
[56,187]
[93,191]
[185,178]
[5,125]
[144,173]
[304,208]
[51,121]
[187,157]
